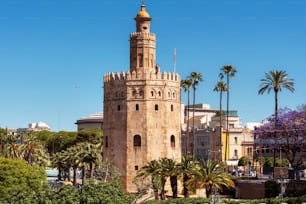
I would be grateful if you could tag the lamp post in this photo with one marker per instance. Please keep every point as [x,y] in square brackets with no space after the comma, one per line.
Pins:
[215,196]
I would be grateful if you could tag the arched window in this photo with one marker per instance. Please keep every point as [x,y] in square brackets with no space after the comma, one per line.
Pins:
[171,107]
[159,94]
[152,93]
[137,141]
[172,141]
[156,107]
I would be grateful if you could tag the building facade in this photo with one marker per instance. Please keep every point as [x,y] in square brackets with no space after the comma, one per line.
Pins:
[141,108]
[90,122]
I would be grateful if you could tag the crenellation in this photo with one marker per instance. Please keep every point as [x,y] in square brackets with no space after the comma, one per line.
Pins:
[123,76]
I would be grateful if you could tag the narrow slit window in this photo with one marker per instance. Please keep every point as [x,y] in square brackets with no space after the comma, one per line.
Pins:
[156,107]
[106,141]
[172,141]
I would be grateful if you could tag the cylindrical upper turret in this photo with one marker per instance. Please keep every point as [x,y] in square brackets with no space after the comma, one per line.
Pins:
[143,20]
[143,44]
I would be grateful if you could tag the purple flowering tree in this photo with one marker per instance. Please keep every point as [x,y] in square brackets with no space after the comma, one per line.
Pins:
[289,136]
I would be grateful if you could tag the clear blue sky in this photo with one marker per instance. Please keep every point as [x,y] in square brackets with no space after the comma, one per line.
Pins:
[54,53]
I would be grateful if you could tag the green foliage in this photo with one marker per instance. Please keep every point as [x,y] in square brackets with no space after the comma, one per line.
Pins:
[89,135]
[103,193]
[67,194]
[272,189]
[180,201]
[19,180]
[244,161]
[268,162]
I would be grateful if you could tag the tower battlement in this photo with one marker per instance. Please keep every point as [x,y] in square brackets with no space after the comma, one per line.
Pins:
[126,76]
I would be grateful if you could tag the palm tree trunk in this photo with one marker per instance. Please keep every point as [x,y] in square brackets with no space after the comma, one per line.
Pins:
[185,188]
[220,139]
[91,169]
[162,193]
[173,182]
[74,176]
[275,126]
[155,189]
[69,174]
[187,136]
[193,132]
[84,175]
[227,112]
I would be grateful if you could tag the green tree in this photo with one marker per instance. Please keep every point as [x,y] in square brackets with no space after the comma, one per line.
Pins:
[275,80]
[230,72]
[17,178]
[93,136]
[151,170]
[220,87]
[196,77]
[186,169]
[210,175]
[103,193]
[30,148]
[186,84]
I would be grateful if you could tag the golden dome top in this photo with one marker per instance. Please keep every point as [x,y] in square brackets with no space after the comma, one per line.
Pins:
[143,13]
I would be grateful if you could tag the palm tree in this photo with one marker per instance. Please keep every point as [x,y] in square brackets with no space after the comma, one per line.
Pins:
[12,150]
[186,84]
[196,77]
[275,80]
[151,169]
[29,147]
[211,175]
[230,72]
[220,87]
[90,154]
[59,162]
[168,169]
[186,169]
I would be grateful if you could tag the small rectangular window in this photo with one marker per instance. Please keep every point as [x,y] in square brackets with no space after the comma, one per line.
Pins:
[137,107]
[118,107]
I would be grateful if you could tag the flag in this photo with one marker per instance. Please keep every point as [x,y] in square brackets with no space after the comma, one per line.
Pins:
[174,59]
[174,56]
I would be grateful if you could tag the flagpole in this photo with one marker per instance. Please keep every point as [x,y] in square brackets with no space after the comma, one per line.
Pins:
[174,60]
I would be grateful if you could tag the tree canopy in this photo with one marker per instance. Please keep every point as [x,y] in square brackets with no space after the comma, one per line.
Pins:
[17,178]
[289,135]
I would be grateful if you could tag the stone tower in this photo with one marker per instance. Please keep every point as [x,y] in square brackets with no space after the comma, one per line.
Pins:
[141,108]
